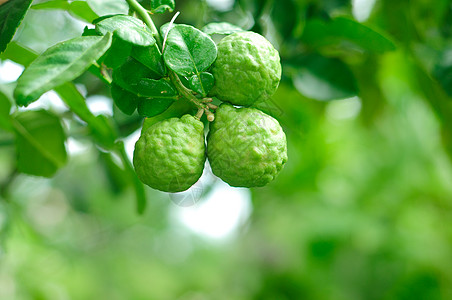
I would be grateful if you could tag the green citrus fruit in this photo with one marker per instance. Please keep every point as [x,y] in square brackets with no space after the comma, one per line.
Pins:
[169,156]
[245,147]
[247,69]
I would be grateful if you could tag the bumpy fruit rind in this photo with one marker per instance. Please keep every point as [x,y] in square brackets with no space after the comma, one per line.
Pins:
[245,147]
[170,155]
[247,69]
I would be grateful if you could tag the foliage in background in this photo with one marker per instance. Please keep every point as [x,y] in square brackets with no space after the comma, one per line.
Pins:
[362,210]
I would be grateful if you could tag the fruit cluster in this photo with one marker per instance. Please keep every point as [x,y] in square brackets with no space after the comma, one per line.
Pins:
[175,75]
[245,147]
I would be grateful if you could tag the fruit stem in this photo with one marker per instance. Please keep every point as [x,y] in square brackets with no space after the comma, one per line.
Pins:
[212,106]
[189,96]
[183,90]
[209,114]
[199,113]
[143,13]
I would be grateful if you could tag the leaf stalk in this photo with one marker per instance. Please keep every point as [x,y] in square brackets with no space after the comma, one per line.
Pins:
[186,93]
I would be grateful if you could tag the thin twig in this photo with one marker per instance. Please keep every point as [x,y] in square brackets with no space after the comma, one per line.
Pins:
[143,13]
[199,113]
[104,73]
[186,93]
[169,28]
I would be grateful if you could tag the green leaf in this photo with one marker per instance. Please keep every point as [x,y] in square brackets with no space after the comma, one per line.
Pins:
[100,127]
[202,84]
[6,100]
[118,53]
[188,51]
[184,81]
[78,9]
[150,57]
[90,32]
[55,4]
[130,73]
[221,28]
[285,17]
[127,28]
[83,11]
[322,78]
[102,131]
[126,101]
[39,143]
[126,124]
[164,29]
[318,33]
[108,7]
[19,54]
[117,177]
[177,109]
[11,14]
[161,6]
[59,64]
[150,107]
[152,88]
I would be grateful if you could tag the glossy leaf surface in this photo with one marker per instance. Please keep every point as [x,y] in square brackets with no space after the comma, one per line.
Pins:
[188,51]
[127,28]
[202,84]
[11,14]
[39,143]
[59,64]
[161,6]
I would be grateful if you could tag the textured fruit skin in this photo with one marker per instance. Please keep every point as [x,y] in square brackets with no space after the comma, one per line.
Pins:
[245,147]
[247,69]
[170,155]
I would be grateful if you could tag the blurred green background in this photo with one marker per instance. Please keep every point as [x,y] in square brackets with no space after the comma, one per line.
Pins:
[362,209]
